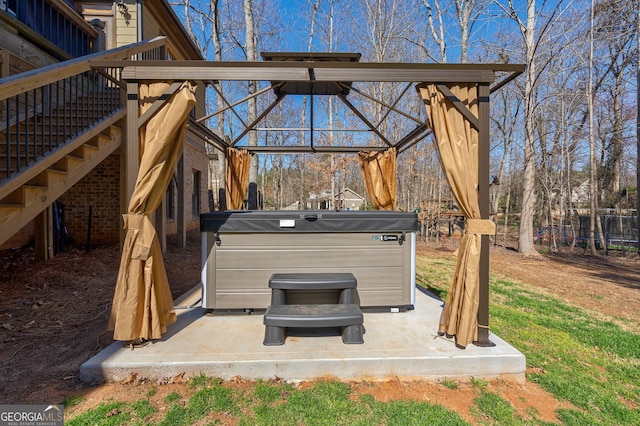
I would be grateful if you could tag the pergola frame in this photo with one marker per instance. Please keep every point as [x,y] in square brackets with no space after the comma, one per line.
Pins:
[341,75]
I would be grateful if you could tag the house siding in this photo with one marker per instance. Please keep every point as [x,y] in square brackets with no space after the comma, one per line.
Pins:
[127,25]
[151,27]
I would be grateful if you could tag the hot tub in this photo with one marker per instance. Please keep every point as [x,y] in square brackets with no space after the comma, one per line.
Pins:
[242,249]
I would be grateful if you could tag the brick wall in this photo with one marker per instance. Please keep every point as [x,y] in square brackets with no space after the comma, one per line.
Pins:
[100,190]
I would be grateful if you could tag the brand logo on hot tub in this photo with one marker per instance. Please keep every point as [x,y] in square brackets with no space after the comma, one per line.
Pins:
[385,237]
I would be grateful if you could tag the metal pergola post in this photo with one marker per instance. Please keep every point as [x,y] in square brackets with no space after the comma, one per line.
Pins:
[484,145]
[131,150]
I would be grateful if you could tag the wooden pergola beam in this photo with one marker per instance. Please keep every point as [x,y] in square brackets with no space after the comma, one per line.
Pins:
[300,71]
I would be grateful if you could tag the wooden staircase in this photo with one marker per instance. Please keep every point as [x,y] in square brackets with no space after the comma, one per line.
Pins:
[57,123]
[31,191]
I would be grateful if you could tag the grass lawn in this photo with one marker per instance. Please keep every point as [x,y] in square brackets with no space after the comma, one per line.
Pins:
[590,363]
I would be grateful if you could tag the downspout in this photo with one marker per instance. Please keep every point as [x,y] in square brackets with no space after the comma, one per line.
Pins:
[139,19]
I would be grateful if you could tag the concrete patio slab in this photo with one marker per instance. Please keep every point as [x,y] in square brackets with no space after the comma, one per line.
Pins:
[401,345]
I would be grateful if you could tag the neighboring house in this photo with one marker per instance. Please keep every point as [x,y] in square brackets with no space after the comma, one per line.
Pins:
[343,200]
[65,138]
[580,195]
[321,201]
[349,200]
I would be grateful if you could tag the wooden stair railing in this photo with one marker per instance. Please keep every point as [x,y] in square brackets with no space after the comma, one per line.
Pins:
[57,124]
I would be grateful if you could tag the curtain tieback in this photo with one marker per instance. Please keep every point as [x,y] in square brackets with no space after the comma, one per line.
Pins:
[143,234]
[481,226]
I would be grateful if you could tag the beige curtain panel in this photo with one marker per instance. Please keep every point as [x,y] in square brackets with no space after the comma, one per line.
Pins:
[142,303]
[379,170]
[237,177]
[457,143]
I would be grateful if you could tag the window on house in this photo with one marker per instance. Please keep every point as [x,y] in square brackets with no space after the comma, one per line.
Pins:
[195,196]
[170,200]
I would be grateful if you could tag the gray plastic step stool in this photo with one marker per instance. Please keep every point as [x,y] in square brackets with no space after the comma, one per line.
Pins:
[278,318]
[345,282]
[345,314]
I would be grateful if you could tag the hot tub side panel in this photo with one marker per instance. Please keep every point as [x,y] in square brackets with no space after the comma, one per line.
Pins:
[239,264]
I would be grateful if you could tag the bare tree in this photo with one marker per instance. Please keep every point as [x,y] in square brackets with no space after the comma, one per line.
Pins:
[303,114]
[638,126]
[532,45]
[251,55]
[593,183]
[437,31]
[525,235]
[217,169]
[504,120]
[468,11]
[614,21]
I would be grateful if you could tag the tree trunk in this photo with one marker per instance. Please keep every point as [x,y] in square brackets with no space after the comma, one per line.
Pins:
[331,134]
[638,129]
[507,204]
[525,237]
[437,33]
[617,138]
[593,185]
[464,9]
[250,50]
[303,194]
[218,167]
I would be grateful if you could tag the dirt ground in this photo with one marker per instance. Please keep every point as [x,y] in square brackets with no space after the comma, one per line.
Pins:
[53,317]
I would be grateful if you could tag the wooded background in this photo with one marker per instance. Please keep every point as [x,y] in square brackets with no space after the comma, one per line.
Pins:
[564,136]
